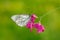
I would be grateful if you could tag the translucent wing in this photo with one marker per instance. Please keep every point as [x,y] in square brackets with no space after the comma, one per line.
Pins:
[20,20]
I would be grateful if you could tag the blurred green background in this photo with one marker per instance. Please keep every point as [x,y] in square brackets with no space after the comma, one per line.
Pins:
[10,31]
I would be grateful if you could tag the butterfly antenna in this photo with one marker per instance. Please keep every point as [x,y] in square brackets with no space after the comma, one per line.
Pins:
[49,12]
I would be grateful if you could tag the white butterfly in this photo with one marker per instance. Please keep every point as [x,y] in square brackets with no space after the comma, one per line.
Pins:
[21,20]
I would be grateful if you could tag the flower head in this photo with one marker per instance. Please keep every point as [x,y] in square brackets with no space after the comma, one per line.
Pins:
[40,28]
[33,17]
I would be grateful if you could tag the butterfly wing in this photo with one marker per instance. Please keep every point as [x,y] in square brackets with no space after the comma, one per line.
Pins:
[20,20]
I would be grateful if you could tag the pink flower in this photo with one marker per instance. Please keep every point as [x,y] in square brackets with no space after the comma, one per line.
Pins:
[31,24]
[33,17]
[39,27]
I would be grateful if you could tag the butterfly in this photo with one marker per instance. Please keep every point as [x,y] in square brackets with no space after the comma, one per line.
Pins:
[28,21]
